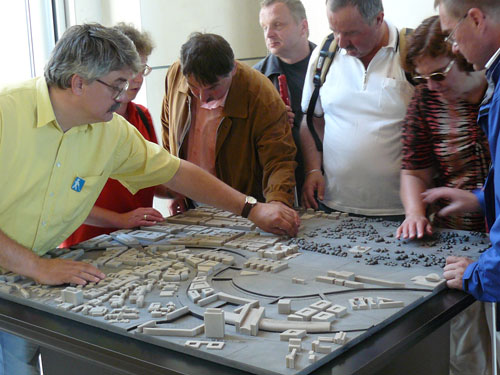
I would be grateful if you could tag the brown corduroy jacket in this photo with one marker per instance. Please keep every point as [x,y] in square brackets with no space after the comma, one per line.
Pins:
[255,151]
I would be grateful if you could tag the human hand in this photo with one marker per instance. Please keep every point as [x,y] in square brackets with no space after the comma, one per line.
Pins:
[454,271]
[314,183]
[460,200]
[275,217]
[290,115]
[64,271]
[142,216]
[414,225]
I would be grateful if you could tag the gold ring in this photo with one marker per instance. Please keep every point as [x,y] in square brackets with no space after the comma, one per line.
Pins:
[145,217]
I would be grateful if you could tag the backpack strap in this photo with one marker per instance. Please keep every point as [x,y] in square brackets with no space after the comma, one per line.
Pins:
[323,62]
[404,33]
[144,119]
[325,58]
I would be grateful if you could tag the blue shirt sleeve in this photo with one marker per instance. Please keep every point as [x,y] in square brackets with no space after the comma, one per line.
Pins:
[479,193]
[482,278]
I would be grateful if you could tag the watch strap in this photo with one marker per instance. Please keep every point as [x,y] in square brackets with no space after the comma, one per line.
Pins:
[247,208]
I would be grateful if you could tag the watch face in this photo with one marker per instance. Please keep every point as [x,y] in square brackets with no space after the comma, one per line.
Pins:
[251,200]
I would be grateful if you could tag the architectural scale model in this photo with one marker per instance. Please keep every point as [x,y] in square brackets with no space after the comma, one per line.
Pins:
[208,283]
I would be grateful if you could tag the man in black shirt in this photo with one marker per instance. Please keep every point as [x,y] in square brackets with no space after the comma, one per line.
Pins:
[286,32]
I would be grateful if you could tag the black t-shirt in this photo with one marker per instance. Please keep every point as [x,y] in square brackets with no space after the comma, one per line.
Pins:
[295,76]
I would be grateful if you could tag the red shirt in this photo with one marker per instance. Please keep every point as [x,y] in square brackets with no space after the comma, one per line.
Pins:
[114,195]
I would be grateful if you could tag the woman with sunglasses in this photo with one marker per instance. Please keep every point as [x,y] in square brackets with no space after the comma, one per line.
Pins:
[442,143]
[116,207]
[444,146]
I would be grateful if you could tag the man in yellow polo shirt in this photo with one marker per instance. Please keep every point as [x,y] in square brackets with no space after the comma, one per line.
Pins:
[60,141]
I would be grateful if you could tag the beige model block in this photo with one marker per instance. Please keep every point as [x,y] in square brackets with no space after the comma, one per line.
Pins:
[381,282]
[340,338]
[290,359]
[320,305]
[295,318]
[345,275]
[307,313]
[387,303]
[250,324]
[323,316]
[353,284]
[325,279]
[296,280]
[214,323]
[285,306]
[312,357]
[292,334]
[194,295]
[72,295]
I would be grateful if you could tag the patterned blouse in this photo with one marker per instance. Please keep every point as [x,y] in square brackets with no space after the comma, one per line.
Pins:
[447,137]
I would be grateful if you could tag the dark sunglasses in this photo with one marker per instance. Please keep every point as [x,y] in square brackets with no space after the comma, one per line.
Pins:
[437,76]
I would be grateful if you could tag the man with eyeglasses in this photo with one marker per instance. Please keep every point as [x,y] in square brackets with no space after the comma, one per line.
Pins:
[116,207]
[60,141]
[474,30]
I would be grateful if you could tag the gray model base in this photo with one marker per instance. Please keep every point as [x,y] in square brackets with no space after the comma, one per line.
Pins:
[208,284]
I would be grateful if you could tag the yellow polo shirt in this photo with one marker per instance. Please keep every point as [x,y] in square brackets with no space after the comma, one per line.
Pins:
[49,180]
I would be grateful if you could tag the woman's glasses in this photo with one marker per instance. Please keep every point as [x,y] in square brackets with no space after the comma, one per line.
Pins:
[436,76]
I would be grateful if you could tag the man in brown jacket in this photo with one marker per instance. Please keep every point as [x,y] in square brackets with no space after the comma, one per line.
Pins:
[229,119]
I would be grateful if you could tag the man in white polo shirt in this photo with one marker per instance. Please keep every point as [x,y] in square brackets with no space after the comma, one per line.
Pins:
[361,106]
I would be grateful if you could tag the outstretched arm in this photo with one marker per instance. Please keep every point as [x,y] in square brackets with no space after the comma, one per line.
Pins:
[413,184]
[18,259]
[201,186]
[314,183]
[460,200]
[142,216]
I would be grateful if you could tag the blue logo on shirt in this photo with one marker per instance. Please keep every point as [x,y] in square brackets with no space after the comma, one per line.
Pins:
[78,184]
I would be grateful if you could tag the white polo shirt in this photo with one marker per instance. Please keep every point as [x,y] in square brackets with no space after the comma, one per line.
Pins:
[364,111]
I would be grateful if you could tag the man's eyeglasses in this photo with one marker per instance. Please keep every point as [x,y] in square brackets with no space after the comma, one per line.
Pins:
[118,91]
[451,37]
[436,76]
[145,70]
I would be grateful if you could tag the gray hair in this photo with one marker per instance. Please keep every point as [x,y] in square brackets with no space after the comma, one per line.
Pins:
[142,40]
[207,57]
[295,6]
[369,9]
[91,51]
[458,8]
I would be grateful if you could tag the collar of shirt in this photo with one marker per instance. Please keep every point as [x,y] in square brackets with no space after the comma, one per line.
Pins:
[45,112]
[492,59]
[271,65]
[493,72]
[393,41]
[216,103]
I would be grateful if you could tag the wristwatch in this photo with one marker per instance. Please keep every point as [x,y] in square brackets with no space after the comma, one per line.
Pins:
[250,202]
